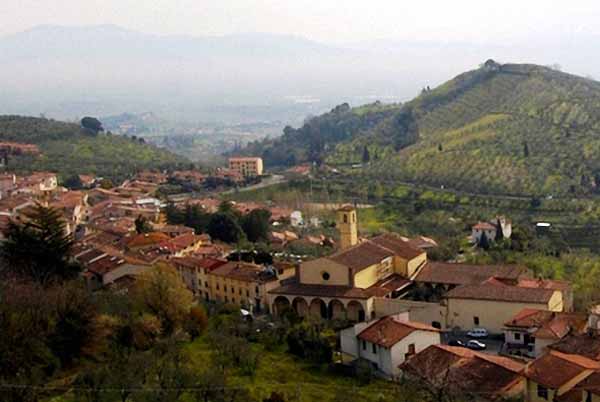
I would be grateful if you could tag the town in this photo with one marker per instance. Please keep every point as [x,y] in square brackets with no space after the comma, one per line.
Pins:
[484,331]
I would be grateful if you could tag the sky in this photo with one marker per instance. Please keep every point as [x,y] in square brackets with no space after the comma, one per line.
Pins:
[330,21]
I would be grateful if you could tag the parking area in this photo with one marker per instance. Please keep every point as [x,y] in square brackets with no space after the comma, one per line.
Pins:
[493,343]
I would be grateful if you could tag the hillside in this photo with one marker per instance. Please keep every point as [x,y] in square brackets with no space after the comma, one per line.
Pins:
[517,129]
[68,150]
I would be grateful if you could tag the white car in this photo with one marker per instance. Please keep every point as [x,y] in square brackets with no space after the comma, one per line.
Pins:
[476,345]
[478,333]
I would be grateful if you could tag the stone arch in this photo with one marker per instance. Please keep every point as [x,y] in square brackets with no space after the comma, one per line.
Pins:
[356,312]
[300,306]
[336,310]
[280,305]
[318,308]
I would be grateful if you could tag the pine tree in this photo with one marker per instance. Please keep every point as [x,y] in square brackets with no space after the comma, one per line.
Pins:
[39,248]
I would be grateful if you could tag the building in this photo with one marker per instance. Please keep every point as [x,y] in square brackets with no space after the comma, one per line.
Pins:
[491,304]
[497,227]
[558,376]
[193,271]
[246,285]
[347,225]
[346,284]
[531,331]
[461,372]
[246,166]
[388,342]
[296,219]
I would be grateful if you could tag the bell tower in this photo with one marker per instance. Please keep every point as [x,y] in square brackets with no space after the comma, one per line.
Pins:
[347,225]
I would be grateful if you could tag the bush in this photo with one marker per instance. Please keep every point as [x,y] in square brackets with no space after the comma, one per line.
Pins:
[197,322]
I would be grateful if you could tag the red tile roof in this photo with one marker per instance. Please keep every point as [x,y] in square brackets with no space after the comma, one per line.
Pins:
[388,331]
[587,345]
[555,369]
[548,324]
[400,247]
[147,239]
[361,256]
[501,293]
[462,274]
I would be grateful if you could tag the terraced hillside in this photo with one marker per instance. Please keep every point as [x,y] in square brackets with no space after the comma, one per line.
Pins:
[68,150]
[510,129]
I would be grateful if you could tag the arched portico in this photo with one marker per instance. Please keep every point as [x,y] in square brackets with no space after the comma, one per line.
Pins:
[318,308]
[355,311]
[300,306]
[280,305]
[336,310]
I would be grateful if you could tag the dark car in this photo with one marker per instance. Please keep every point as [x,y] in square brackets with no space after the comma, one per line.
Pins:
[457,342]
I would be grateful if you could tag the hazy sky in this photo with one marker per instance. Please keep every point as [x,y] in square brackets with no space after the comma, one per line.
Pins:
[323,20]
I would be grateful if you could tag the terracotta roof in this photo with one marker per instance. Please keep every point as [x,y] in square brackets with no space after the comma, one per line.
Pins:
[243,272]
[548,324]
[501,293]
[361,256]
[196,262]
[400,247]
[147,239]
[555,369]
[388,331]
[462,274]
[346,208]
[591,383]
[379,289]
[587,345]
[463,371]
[484,226]
[544,284]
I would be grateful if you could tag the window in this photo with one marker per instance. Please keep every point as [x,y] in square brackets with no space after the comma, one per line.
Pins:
[476,320]
[232,289]
[374,348]
[517,336]
[411,349]
[226,299]
[345,218]
[206,284]
[542,392]
[257,290]
[364,345]
[247,293]
[436,324]
[217,286]
[325,275]
[240,292]
[224,288]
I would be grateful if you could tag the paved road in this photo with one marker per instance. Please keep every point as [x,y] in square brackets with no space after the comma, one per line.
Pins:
[493,344]
[271,181]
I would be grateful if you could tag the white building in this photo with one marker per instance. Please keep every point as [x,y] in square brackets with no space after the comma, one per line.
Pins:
[388,342]
[296,219]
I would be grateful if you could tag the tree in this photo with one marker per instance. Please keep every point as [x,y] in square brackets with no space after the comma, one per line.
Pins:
[73,182]
[365,156]
[197,322]
[142,225]
[161,292]
[225,227]
[256,225]
[174,215]
[440,147]
[39,248]
[92,124]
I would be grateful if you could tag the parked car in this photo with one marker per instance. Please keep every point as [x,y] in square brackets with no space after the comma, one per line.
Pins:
[478,333]
[457,342]
[476,345]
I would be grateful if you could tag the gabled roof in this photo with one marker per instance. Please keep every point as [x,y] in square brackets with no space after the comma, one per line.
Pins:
[484,226]
[555,369]
[501,293]
[400,247]
[147,239]
[548,324]
[463,274]
[587,345]
[361,256]
[388,331]
[463,371]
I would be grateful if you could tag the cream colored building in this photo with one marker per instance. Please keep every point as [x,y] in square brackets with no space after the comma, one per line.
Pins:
[388,342]
[246,166]
[491,305]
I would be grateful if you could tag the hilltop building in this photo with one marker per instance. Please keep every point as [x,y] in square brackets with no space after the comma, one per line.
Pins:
[246,166]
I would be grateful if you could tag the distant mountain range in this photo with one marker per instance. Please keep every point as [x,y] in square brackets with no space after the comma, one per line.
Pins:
[502,128]
[67,72]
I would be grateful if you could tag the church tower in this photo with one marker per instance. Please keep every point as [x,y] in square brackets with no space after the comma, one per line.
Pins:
[347,225]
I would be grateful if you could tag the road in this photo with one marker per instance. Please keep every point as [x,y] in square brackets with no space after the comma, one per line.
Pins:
[271,181]
[493,344]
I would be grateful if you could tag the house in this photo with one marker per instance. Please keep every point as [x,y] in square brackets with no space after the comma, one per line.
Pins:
[491,304]
[296,219]
[37,183]
[558,376]
[346,283]
[388,342]
[246,285]
[246,166]
[194,273]
[462,373]
[530,331]
[145,240]
[497,227]
[182,245]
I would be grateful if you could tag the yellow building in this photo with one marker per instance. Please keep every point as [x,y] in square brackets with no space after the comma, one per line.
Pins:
[558,376]
[347,225]
[246,166]
[246,285]
[346,284]
[490,305]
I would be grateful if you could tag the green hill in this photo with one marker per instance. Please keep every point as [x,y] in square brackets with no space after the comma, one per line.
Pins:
[67,149]
[512,128]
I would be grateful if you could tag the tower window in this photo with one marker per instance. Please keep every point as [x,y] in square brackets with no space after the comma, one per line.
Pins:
[325,275]
[345,218]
